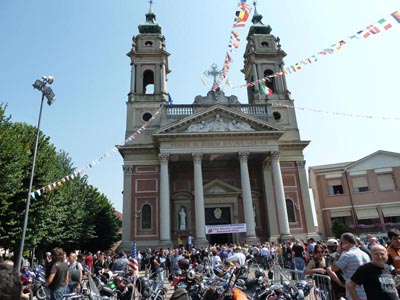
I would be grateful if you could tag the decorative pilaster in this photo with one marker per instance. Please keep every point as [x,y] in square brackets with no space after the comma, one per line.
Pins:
[165,222]
[310,226]
[270,201]
[127,205]
[247,198]
[280,197]
[199,199]
[133,70]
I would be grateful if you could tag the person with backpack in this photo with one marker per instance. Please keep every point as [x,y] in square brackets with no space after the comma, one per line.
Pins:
[75,270]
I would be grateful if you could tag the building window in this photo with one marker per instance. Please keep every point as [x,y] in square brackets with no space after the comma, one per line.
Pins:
[148,82]
[290,211]
[360,184]
[270,83]
[146,216]
[335,187]
[386,182]
[277,115]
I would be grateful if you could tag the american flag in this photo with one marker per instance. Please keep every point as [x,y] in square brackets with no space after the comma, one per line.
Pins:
[132,261]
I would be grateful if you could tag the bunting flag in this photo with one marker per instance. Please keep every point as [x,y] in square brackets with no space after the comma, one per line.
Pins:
[265,90]
[133,261]
[241,17]
[370,30]
[371,117]
[79,172]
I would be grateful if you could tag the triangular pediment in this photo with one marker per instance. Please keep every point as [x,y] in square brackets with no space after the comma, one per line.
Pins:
[217,186]
[219,119]
[377,160]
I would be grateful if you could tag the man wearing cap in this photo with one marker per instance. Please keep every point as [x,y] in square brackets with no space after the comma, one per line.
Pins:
[337,280]
[350,259]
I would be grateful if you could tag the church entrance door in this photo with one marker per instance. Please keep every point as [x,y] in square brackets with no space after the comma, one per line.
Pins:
[218,216]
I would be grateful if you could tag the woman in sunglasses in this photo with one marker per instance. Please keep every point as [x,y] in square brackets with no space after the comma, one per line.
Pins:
[317,264]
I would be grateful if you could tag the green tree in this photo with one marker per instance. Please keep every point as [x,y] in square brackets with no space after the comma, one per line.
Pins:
[74,215]
[339,227]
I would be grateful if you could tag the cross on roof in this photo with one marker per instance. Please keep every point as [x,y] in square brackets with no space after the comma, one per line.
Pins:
[214,72]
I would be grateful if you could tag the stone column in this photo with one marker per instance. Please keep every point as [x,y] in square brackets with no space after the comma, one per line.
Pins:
[270,201]
[200,238]
[127,225]
[163,79]
[133,75]
[310,226]
[283,221]
[165,211]
[255,77]
[247,198]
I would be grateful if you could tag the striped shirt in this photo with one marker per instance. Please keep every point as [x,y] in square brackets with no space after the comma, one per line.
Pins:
[349,262]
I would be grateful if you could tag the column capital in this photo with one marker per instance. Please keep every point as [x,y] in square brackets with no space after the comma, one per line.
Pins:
[243,156]
[275,155]
[164,158]
[128,170]
[301,164]
[197,157]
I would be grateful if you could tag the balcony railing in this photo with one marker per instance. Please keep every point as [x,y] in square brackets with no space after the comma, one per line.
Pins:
[186,110]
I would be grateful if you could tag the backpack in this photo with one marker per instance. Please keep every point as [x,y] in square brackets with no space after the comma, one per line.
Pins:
[74,273]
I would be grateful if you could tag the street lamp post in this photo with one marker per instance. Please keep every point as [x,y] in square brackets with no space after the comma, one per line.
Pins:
[47,92]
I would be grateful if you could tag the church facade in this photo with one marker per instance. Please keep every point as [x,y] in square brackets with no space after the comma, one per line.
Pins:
[216,161]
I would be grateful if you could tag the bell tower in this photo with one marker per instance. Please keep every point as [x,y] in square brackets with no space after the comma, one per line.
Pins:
[263,58]
[149,69]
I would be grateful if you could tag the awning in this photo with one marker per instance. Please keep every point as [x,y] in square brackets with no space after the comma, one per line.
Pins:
[340,213]
[391,211]
[367,213]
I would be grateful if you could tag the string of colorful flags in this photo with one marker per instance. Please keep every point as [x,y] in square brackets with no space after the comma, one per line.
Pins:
[77,173]
[386,118]
[383,24]
[241,17]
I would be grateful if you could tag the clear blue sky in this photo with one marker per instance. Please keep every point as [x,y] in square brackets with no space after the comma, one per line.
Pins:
[84,45]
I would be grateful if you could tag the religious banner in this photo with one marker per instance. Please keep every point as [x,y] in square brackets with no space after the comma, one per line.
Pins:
[226,228]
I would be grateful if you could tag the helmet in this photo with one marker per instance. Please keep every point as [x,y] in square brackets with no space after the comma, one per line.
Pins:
[190,274]
[304,286]
[183,264]
[332,242]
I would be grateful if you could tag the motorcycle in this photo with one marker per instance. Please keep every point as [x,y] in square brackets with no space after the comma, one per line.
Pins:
[27,279]
[38,286]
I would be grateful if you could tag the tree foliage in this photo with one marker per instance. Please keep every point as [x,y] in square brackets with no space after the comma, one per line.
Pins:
[75,215]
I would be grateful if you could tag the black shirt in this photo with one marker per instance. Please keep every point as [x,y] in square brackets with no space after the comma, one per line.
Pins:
[378,282]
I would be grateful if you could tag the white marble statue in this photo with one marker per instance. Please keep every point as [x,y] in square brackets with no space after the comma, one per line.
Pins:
[182,219]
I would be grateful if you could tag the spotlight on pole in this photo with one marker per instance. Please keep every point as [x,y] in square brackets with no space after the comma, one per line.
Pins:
[47,92]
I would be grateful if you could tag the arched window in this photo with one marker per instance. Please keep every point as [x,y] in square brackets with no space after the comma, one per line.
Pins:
[270,83]
[290,211]
[148,82]
[146,216]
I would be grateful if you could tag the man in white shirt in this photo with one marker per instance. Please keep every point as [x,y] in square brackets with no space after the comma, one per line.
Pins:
[238,256]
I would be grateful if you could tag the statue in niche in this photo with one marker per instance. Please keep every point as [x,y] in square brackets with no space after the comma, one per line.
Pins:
[235,125]
[182,219]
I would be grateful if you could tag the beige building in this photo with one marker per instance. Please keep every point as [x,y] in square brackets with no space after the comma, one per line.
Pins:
[215,161]
[363,194]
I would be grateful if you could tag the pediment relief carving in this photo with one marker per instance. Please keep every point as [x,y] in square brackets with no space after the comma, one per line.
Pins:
[219,123]
[219,119]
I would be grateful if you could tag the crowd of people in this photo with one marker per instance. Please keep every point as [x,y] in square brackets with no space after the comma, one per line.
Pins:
[357,271]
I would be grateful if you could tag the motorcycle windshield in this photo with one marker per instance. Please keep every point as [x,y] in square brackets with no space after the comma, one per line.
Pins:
[94,291]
